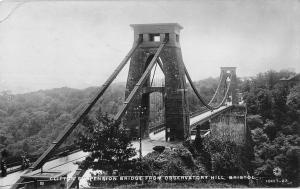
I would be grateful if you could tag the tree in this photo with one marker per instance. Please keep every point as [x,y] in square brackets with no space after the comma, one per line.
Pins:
[274,120]
[264,103]
[254,121]
[279,107]
[270,129]
[293,102]
[109,145]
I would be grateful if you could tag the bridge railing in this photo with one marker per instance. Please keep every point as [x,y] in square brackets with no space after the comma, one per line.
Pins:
[157,128]
[200,111]
[14,163]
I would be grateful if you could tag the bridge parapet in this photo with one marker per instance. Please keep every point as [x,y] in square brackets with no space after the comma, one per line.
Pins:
[202,118]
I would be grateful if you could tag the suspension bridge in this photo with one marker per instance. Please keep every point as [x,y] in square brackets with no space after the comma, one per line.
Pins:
[155,109]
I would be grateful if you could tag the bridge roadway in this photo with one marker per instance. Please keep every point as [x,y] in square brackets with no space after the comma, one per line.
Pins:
[69,162]
[202,118]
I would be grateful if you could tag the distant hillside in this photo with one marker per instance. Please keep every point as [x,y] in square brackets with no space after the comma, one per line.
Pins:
[29,122]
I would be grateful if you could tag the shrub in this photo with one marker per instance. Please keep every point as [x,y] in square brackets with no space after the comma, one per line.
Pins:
[159,149]
[254,121]
[178,161]
[226,158]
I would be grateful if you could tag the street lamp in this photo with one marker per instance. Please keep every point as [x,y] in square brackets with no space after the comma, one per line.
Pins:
[141,114]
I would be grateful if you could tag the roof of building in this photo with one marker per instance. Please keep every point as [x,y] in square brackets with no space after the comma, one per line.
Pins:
[291,78]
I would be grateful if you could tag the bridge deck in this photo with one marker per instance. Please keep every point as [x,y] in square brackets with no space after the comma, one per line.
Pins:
[199,119]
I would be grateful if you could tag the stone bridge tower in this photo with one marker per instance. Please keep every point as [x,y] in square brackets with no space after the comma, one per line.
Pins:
[174,90]
[225,71]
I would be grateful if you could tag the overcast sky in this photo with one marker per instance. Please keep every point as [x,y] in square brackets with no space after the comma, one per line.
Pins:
[49,44]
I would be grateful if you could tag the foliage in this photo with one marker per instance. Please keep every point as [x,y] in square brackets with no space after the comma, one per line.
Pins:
[228,149]
[259,137]
[109,145]
[30,122]
[172,162]
[254,121]
[159,149]
[281,152]
[226,158]
[274,119]
[293,102]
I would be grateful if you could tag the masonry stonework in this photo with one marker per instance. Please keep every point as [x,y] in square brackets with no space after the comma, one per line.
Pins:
[175,102]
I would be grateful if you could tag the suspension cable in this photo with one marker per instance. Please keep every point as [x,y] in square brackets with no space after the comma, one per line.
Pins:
[200,97]
[216,91]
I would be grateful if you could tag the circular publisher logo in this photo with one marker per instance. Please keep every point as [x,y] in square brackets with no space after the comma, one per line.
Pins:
[277,171]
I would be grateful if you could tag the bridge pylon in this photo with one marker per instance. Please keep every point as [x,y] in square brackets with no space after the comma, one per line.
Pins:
[226,71]
[175,103]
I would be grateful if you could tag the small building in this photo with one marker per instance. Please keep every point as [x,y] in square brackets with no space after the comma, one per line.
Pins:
[292,80]
[46,180]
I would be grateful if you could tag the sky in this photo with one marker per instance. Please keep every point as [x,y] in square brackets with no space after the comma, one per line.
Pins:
[78,44]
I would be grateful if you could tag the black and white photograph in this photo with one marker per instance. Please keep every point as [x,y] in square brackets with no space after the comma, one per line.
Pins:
[149,94]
